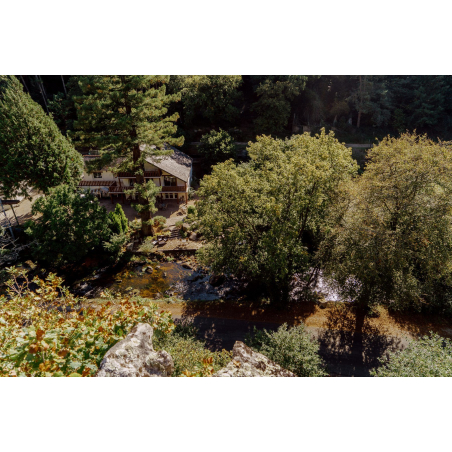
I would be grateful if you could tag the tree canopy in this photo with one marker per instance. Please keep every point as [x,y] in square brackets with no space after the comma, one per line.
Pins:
[69,226]
[217,146]
[211,97]
[33,152]
[392,239]
[260,217]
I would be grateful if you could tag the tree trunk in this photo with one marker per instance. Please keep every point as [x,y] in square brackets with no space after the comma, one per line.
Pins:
[360,102]
[64,86]
[41,88]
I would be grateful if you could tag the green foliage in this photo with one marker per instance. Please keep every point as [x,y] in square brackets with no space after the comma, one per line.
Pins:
[191,210]
[69,227]
[117,220]
[190,356]
[159,221]
[430,356]
[217,146]
[392,239]
[273,106]
[260,217]
[62,107]
[33,152]
[124,117]
[211,97]
[371,97]
[292,348]
[49,332]
[116,245]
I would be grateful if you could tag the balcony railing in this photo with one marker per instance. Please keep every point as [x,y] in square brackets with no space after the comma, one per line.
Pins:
[173,188]
[146,174]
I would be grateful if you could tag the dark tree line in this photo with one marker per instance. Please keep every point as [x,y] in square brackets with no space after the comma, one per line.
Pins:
[358,107]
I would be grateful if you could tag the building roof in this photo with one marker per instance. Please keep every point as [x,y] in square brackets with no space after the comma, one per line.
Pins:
[177,164]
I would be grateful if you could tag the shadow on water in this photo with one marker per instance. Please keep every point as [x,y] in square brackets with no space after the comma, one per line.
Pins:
[350,345]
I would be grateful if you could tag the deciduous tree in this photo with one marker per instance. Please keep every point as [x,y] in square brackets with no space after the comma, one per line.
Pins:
[392,242]
[260,217]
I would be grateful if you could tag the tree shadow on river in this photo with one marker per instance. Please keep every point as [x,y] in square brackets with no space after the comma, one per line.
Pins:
[351,345]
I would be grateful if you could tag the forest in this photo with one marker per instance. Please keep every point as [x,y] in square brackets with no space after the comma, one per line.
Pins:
[358,109]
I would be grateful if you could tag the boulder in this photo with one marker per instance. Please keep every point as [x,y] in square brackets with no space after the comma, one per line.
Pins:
[193,236]
[149,270]
[216,280]
[185,226]
[135,356]
[248,363]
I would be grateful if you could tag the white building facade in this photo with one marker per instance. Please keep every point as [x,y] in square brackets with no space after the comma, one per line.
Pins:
[173,173]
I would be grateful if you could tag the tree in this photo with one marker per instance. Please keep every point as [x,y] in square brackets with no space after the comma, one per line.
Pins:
[124,118]
[422,101]
[392,239]
[217,146]
[273,107]
[62,107]
[260,217]
[429,356]
[33,152]
[211,97]
[69,227]
[371,97]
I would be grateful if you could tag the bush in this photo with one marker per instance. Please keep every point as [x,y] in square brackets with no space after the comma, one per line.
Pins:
[191,210]
[190,356]
[430,356]
[50,332]
[293,349]
[116,245]
[159,221]
[70,225]
[117,220]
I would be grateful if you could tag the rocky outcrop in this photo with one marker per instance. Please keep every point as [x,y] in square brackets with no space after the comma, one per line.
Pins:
[135,356]
[248,363]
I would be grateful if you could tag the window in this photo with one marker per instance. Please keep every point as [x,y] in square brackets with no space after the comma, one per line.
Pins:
[169,181]
[97,175]
[131,182]
[169,195]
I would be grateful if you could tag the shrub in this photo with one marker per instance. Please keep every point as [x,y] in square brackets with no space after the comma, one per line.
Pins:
[116,245]
[191,210]
[50,332]
[293,349]
[159,221]
[117,220]
[430,356]
[190,356]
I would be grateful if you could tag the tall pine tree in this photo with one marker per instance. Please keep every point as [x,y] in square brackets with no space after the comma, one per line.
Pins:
[33,152]
[124,118]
